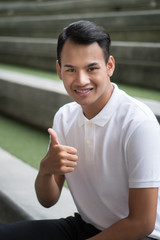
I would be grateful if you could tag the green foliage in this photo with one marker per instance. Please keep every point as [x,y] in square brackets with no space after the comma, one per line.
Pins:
[25,142]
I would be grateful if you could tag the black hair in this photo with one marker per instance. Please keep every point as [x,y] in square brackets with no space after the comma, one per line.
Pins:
[84,32]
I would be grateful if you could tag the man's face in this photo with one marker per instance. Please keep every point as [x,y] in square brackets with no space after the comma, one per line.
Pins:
[86,76]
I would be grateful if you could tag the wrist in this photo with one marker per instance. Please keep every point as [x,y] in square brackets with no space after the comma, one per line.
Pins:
[44,171]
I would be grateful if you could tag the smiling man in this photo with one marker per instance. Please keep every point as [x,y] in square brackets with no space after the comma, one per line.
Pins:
[86,76]
[105,144]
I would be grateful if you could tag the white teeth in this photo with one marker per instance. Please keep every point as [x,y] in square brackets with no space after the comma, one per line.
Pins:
[83,91]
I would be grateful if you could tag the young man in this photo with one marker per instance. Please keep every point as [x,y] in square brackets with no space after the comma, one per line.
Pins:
[105,145]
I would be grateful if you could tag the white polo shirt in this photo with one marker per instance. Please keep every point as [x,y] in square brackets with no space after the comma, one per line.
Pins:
[118,149]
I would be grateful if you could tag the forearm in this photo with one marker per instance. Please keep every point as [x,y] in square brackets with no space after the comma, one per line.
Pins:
[58,161]
[47,189]
[125,229]
[140,221]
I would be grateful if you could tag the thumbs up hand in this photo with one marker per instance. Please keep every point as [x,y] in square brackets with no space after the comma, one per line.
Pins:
[60,159]
[54,138]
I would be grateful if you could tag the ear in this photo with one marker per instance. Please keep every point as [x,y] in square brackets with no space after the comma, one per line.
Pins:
[110,66]
[58,70]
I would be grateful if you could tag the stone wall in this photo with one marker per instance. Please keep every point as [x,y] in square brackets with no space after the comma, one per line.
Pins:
[29,30]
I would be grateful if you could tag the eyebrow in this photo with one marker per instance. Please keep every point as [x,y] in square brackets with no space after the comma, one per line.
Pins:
[69,66]
[92,64]
[89,65]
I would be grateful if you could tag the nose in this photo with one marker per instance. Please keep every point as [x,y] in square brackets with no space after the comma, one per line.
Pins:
[82,78]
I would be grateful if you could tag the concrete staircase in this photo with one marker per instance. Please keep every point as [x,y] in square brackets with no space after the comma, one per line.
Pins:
[23,8]
[28,37]
[28,33]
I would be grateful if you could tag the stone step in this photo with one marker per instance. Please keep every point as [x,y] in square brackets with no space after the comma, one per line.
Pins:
[136,62]
[32,52]
[31,99]
[18,8]
[35,100]
[18,200]
[122,26]
[31,1]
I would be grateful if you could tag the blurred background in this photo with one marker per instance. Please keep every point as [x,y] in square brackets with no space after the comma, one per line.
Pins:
[30,92]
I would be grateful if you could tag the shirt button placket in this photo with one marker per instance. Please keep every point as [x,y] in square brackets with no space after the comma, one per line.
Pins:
[89,149]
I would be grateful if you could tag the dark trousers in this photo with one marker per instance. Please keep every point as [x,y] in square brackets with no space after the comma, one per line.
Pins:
[71,228]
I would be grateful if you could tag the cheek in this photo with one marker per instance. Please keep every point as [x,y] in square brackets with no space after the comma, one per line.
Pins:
[67,83]
[100,80]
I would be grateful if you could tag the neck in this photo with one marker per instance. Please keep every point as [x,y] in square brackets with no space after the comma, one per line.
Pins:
[92,110]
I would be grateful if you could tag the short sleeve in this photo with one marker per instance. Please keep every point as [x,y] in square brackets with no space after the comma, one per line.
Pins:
[143,156]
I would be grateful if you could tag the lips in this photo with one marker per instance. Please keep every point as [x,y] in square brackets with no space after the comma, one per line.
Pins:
[83,92]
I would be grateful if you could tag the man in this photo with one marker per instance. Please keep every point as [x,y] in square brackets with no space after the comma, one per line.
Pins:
[105,145]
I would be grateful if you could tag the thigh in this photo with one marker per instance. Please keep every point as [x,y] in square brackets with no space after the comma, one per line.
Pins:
[38,229]
[70,228]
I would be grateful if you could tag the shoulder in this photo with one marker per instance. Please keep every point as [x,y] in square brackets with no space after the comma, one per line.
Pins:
[68,110]
[134,111]
[67,114]
[132,116]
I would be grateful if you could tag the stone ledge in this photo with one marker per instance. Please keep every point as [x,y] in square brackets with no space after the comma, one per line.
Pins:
[122,26]
[132,58]
[31,99]
[79,6]
[35,100]
[18,200]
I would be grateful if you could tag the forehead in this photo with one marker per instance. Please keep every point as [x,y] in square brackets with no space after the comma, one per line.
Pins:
[73,51]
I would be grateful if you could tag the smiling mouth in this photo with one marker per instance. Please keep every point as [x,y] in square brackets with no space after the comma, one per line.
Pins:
[83,91]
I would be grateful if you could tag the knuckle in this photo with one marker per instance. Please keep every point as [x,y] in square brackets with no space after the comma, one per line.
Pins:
[60,155]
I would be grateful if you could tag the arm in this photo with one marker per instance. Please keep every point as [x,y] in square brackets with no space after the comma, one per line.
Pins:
[48,188]
[50,179]
[140,221]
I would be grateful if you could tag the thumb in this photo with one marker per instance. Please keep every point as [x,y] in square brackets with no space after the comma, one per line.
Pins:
[53,135]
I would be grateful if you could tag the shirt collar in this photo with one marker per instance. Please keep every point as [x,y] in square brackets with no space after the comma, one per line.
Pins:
[105,114]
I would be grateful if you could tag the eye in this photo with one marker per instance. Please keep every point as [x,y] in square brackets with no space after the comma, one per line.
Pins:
[70,70]
[91,69]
